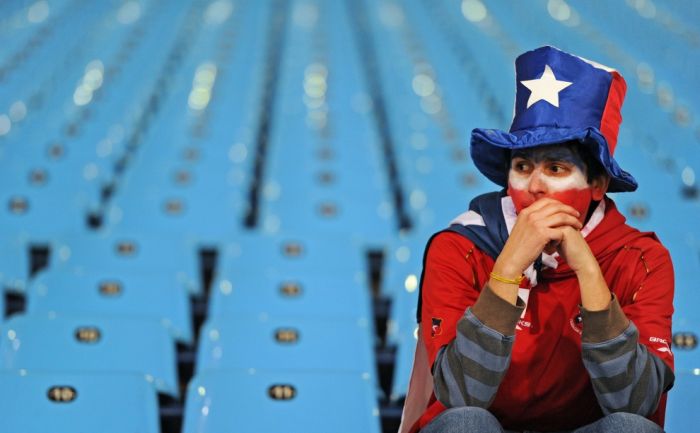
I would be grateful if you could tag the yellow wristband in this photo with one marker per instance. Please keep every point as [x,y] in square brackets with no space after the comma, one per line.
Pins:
[516,281]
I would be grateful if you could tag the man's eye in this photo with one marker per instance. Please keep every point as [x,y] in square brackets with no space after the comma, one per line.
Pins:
[522,166]
[558,168]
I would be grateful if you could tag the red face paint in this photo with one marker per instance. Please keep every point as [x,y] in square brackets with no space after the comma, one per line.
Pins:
[555,172]
[579,199]
[521,199]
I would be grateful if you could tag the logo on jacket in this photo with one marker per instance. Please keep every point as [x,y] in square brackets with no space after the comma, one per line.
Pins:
[577,324]
[665,348]
[436,328]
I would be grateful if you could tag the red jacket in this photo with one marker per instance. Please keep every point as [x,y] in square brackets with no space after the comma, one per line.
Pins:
[547,387]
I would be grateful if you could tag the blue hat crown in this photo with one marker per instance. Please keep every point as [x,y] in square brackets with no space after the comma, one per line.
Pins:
[559,98]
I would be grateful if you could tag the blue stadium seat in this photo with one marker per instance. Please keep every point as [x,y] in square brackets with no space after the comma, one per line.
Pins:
[402,281]
[196,213]
[14,264]
[90,344]
[293,401]
[126,253]
[105,294]
[290,293]
[405,340]
[314,254]
[686,332]
[24,213]
[331,213]
[403,269]
[2,307]
[37,402]
[682,414]
[286,342]
[686,266]
[403,264]
[23,224]
[401,328]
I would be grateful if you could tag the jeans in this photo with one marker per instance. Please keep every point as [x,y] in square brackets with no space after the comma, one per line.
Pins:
[477,420]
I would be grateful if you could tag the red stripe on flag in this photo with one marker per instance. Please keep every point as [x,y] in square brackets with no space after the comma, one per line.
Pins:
[610,122]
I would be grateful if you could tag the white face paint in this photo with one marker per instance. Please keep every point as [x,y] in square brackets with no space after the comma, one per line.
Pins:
[558,168]
[557,172]
[576,179]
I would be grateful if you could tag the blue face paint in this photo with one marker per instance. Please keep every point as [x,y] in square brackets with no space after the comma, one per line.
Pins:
[554,153]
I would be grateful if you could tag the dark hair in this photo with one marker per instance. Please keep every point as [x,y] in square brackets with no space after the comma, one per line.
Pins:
[594,169]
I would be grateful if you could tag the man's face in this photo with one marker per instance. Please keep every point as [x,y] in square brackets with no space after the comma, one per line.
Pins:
[556,172]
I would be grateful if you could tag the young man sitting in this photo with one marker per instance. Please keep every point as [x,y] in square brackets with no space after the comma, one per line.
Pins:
[541,310]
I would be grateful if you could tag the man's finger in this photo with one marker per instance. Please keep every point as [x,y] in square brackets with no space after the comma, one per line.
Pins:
[562,220]
[549,205]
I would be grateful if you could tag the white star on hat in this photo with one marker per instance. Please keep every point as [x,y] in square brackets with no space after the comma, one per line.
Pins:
[545,88]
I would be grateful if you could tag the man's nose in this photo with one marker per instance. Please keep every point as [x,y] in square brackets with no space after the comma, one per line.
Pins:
[537,183]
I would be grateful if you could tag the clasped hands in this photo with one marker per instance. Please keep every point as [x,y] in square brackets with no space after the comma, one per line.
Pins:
[549,225]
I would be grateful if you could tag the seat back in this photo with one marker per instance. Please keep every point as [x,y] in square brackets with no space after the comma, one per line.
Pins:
[38,402]
[90,344]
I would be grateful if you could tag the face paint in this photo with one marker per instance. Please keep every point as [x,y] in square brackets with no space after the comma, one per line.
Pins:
[556,172]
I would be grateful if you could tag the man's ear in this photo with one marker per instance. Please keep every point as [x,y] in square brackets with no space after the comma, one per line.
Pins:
[599,186]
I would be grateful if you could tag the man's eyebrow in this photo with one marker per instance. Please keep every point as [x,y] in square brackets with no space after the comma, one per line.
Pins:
[562,155]
[539,155]
[521,154]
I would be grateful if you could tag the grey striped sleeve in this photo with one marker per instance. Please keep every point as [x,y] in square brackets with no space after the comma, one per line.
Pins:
[626,377]
[469,370]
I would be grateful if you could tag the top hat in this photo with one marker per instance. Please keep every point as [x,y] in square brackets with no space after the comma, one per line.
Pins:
[559,98]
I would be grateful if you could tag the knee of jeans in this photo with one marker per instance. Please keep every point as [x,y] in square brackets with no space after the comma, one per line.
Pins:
[469,412]
[623,421]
